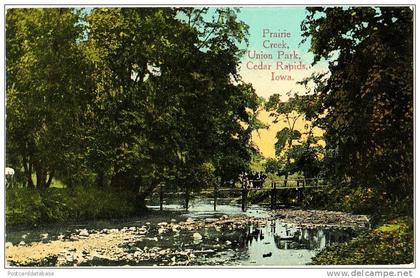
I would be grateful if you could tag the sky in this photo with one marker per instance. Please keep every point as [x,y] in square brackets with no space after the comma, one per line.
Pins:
[276,20]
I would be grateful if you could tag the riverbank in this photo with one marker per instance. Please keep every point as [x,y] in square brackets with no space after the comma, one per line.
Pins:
[180,241]
[388,244]
[31,207]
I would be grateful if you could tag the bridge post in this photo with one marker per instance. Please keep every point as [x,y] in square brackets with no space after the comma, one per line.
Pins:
[299,195]
[187,198]
[161,197]
[244,198]
[215,197]
[273,195]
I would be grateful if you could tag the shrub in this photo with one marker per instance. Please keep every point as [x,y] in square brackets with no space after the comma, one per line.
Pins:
[26,206]
[23,206]
[391,243]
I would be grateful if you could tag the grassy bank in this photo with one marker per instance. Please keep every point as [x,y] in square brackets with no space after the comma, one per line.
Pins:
[391,243]
[26,206]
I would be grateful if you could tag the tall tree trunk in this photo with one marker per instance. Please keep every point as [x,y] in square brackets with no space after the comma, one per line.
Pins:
[50,177]
[286,176]
[39,178]
[100,179]
[142,195]
[27,168]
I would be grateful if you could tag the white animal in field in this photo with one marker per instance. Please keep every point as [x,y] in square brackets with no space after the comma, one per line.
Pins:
[8,174]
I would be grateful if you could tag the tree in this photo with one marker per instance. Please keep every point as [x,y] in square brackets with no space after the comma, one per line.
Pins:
[165,104]
[366,102]
[295,151]
[130,96]
[46,91]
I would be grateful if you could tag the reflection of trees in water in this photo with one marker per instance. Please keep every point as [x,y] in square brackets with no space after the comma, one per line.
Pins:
[312,239]
[252,234]
[290,237]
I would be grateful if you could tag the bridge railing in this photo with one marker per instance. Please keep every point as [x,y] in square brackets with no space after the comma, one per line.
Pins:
[277,185]
[298,182]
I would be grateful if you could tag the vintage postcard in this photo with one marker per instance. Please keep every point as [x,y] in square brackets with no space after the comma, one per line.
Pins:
[209,136]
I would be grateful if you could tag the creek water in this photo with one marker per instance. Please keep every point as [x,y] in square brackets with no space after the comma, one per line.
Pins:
[266,243]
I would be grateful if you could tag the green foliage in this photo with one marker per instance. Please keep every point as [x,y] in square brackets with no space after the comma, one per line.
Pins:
[47,90]
[273,166]
[283,136]
[127,97]
[295,151]
[26,206]
[365,104]
[359,200]
[257,162]
[259,196]
[166,106]
[391,243]
[23,206]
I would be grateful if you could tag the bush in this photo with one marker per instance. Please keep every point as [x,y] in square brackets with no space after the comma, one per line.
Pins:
[23,206]
[391,243]
[26,206]
[379,205]
[260,196]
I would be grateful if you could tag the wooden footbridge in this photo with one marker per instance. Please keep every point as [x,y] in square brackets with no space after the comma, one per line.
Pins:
[297,186]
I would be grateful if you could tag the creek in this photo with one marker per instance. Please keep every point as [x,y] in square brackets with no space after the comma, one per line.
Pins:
[174,237]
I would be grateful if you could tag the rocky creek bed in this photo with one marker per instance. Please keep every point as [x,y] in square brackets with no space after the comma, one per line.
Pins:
[280,237]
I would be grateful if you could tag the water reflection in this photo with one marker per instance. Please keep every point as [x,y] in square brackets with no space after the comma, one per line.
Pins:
[278,243]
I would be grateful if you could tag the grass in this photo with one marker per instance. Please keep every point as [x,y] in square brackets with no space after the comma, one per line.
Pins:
[391,243]
[389,228]
[25,206]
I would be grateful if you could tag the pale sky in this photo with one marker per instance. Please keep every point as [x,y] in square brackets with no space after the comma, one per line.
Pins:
[275,20]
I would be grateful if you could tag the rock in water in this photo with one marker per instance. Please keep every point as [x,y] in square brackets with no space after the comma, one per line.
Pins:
[175,228]
[142,231]
[267,255]
[8,244]
[104,231]
[83,232]
[197,236]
